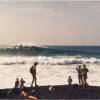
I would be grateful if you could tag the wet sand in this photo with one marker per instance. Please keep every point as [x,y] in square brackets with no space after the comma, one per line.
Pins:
[59,92]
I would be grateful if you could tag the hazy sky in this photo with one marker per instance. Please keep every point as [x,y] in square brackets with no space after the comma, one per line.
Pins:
[50,23]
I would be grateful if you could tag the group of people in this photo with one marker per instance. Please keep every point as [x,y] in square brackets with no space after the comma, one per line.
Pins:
[19,83]
[82,76]
[21,90]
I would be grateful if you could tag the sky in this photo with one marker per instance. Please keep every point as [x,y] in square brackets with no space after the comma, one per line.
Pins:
[50,22]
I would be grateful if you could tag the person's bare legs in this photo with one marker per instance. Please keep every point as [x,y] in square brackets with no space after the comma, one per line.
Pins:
[32,81]
[85,81]
[80,81]
[35,82]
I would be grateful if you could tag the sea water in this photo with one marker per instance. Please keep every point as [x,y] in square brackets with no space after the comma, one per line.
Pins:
[56,63]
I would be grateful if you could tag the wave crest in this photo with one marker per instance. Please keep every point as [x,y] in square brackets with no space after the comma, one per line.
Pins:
[57,60]
[45,51]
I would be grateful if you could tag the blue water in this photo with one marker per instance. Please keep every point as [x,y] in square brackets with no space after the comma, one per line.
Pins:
[80,50]
[92,51]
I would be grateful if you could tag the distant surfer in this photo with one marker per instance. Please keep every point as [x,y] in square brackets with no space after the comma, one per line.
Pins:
[33,72]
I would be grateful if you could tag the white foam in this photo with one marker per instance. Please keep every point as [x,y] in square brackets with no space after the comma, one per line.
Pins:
[43,60]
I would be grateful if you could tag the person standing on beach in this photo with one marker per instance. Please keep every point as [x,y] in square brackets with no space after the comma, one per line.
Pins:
[84,75]
[69,80]
[33,72]
[22,83]
[79,70]
[17,83]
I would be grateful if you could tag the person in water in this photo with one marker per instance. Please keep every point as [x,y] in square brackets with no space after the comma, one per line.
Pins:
[69,80]
[79,70]
[33,73]
[84,75]
[17,83]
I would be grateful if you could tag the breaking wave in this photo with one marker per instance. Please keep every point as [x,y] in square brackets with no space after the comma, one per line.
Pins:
[43,60]
[48,55]
[45,51]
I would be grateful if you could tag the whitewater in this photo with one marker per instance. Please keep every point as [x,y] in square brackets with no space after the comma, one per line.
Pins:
[55,64]
[43,60]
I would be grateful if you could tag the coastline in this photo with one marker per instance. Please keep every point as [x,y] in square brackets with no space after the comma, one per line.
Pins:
[59,92]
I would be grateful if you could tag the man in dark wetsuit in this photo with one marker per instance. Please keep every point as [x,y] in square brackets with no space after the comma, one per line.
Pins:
[84,75]
[79,70]
[33,72]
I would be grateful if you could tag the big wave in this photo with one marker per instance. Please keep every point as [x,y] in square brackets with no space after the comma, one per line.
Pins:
[43,51]
[44,60]
[30,50]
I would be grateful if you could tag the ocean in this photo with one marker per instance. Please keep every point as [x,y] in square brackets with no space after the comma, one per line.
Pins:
[56,63]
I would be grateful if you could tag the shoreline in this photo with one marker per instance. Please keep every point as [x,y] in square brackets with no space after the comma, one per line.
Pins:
[58,92]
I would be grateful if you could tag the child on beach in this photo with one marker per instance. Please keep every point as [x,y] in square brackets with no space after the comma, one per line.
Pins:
[17,83]
[69,80]
[22,83]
